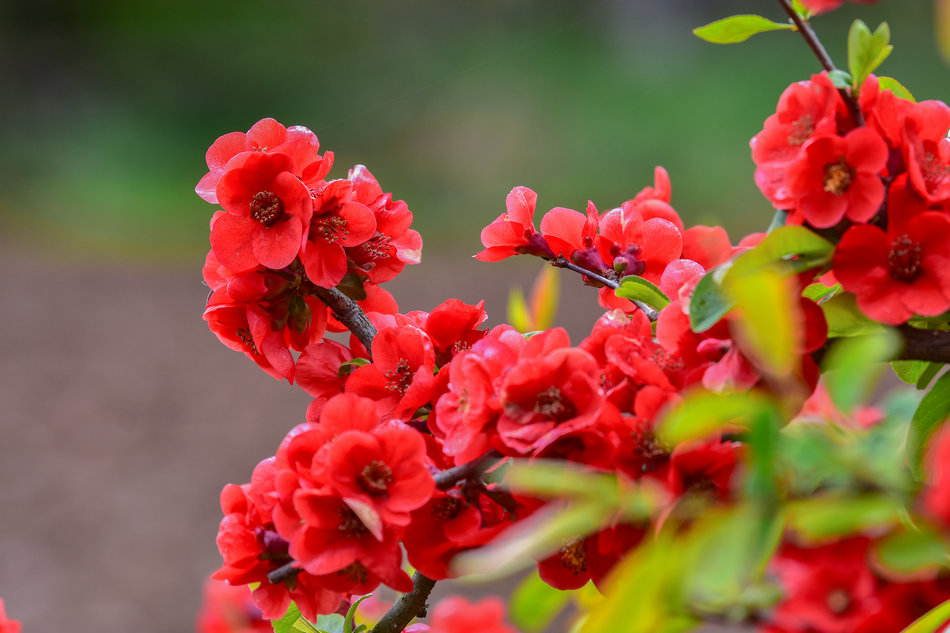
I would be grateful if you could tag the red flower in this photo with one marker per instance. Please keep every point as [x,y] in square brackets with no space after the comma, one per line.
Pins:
[513,233]
[839,176]
[457,615]
[400,378]
[7,626]
[927,150]
[805,109]
[229,609]
[828,589]
[266,136]
[268,210]
[822,6]
[901,272]
[385,469]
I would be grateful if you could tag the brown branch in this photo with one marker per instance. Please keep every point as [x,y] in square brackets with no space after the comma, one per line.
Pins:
[282,573]
[407,607]
[448,478]
[929,345]
[818,49]
[563,262]
[349,314]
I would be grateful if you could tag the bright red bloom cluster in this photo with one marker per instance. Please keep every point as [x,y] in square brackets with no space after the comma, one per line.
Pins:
[834,588]
[285,232]
[814,160]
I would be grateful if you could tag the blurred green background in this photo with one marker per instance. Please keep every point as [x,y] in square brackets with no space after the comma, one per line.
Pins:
[109,106]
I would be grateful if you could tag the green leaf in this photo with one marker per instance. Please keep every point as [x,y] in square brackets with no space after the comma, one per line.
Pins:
[703,412]
[845,318]
[351,614]
[911,371]
[889,83]
[866,50]
[809,249]
[738,28]
[913,551]
[557,479]
[841,79]
[932,621]
[285,624]
[929,375]
[819,292]
[639,289]
[768,318]
[332,623]
[831,515]
[545,295]
[518,315]
[853,365]
[933,411]
[709,302]
[534,604]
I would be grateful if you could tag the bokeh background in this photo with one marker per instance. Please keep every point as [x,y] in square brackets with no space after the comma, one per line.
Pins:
[120,415]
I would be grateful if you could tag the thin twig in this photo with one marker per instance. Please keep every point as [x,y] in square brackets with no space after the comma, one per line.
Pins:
[407,607]
[448,478]
[349,314]
[816,46]
[563,262]
[282,573]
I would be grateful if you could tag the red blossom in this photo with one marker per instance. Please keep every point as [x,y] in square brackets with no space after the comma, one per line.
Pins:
[229,609]
[457,615]
[838,177]
[903,271]
[6,625]
[513,232]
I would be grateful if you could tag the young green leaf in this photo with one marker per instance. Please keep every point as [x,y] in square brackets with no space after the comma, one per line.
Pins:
[913,551]
[911,371]
[332,623]
[545,295]
[889,83]
[639,289]
[808,249]
[820,518]
[534,603]
[841,79]
[853,365]
[738,28]
[769,320]
[348,621]
[518,315]
[845,318]
[702,413]
[285,624]
[933,411]
[866,50]
[932,621]
[709,302]
[801,9]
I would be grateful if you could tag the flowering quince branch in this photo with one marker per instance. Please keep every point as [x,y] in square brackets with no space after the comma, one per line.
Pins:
[562,262]
[409,606]
[349,314]
[691,416]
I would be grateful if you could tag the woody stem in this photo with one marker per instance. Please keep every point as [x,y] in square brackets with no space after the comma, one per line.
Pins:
[562,262]
[349,314]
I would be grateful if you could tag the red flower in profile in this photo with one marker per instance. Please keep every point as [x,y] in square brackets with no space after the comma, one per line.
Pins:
[7,626]
[513,232]
[903,271]
[838,177]
[457,615]
[927,150]
[268,211]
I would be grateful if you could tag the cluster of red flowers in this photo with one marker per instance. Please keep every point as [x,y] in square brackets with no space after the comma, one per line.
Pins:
[884,185]
[285,232]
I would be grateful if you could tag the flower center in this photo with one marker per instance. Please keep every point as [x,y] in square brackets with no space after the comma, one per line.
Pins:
[332,229]
[838,177]
[350,524]
[801,131]
[245,335]
[904,258]
[838,601]
[266,208]
[399,379]
[375,478]
[573,555]
[377,246]
[355,573]
[447,508]
[551,403]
